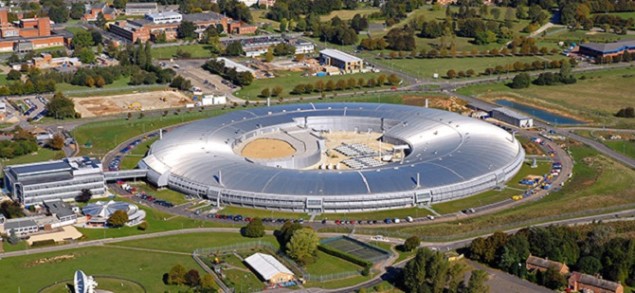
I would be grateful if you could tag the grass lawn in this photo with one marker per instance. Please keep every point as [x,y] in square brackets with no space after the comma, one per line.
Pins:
[115,285]
[172,196]
[145,268]
[113,132]
[288,80]
[243,281]
[621,146]
[196,50]
[493,196]
[22,245]
[249,212]
[597,183]
[425,68]
[597,97]
[334,284]
[189,242]
[327,264]
[377,215]
[133,157]
[43,154]
[345,14]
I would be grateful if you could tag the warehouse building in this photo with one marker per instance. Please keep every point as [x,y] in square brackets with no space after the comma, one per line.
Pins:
[141,8]
[22,227]
[347,63]
[64,179]
[603,50]
[269,268]
[512,117]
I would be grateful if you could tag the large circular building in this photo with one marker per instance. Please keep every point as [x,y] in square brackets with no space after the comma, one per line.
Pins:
[337,157]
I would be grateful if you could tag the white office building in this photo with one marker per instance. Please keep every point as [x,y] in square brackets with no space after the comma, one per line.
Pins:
[164,17]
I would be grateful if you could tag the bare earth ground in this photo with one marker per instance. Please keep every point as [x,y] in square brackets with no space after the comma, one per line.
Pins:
[108,105]
[267,148]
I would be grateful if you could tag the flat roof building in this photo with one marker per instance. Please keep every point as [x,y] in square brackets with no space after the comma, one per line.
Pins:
[141,8]
[347,63]
[22,227]
[512,117]
[60,210]
[64,179]
[599,50]
[269,268]
[164,17]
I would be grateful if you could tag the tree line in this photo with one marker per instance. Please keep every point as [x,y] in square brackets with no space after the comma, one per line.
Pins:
[23,143]
[244,78]
[179,275]
[593,252]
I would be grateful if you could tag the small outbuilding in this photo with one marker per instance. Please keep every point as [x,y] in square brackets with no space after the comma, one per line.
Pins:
[269,268]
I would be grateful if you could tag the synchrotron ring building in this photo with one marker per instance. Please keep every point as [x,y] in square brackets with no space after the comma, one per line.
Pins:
[445,156]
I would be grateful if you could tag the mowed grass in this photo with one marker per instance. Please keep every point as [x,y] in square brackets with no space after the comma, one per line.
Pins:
[133,157]
[427,67]
[512,188]
[288,80]
[196,51]
[113,132]
[116,84]
[23,274]
[112,284]
[172,196]
[42,154]
[327,264]
[345,14]
[341,283]
[189,242]
[596,97]
[622,146]
[249,212]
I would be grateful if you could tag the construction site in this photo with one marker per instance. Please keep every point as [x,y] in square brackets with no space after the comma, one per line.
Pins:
[148,101]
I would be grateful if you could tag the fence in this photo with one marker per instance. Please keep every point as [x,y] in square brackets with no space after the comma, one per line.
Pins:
[330,277]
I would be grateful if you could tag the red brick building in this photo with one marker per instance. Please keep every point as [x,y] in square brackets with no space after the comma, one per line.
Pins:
[542,264]
[586,283]
[28,34]
[109,13]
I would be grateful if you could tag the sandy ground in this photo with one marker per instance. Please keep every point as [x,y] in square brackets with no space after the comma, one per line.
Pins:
[267,148]
[108,105]
[438,102]
[67,232]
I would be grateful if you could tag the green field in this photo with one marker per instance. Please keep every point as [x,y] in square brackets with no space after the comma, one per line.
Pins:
[249,212]
[114,132]
[196,50]
[146,268]
[345,14]
[328,264]
[493,196]
[622,147]
[288,80]
[115,285]
[172,196]
[43,154]
[133,157]
[597,183]
[597,96]
[189,242]
[377,215]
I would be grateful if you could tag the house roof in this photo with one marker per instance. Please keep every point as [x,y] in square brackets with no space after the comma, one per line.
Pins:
[58,208]
[595,282]
[339,55]
[266,265]
[544,263]
[19,223]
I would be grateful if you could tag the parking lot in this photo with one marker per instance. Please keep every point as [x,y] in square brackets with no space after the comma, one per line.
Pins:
[32,108]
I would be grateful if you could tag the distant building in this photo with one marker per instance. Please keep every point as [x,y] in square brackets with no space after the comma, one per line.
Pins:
[93,10]
[266,3]
[61,210]
[269,268]
[164,17]
[141,8]
[534,263]
[603,50]
[64,179]
[46,61]
[347,63]
[248,3]
[512,117]
[303,47]
[28,34]
[237,66]
[586,283]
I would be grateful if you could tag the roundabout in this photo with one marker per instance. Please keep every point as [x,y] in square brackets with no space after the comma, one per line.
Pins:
[339,157]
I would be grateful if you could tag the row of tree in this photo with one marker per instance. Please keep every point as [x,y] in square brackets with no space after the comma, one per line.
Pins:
[517,67]
[342,84]
[593,252]
[179,275]
[23,143]
[243,78]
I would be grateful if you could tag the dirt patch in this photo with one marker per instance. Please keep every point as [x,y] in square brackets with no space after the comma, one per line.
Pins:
[55,259]
[532,149]
[108,105]
[439,102]
[267,148]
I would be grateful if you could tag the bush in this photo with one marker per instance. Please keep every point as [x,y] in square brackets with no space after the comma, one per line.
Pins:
[521,81]
[627,112]
[411,243]
[143,226]
[254,229]
[40,243]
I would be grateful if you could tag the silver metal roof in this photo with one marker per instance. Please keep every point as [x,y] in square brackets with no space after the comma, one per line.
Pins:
[339,55]
[446,149]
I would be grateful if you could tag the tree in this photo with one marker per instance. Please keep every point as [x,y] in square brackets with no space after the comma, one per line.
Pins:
[57,143]
[14,75]
[303,245]
[476,284]
[101,20]
[411,243]
[11,209]
[521,81]
[61,107]
[496,13]
[192,278]
[82,39]
[120,4]
[234,49]
[265,93]
[85,55]
[277,90]
[186,30]
[269,55]
[147,49]
[254,229]
[143,226]
[283,25]
[553,279]
[285,233]
[393,80]
[589,265]
[58,14]
[100,82]
[207,282]
[118,218]
[13,238]
[628,112]
[176,276]
[451,74]
[77,10]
